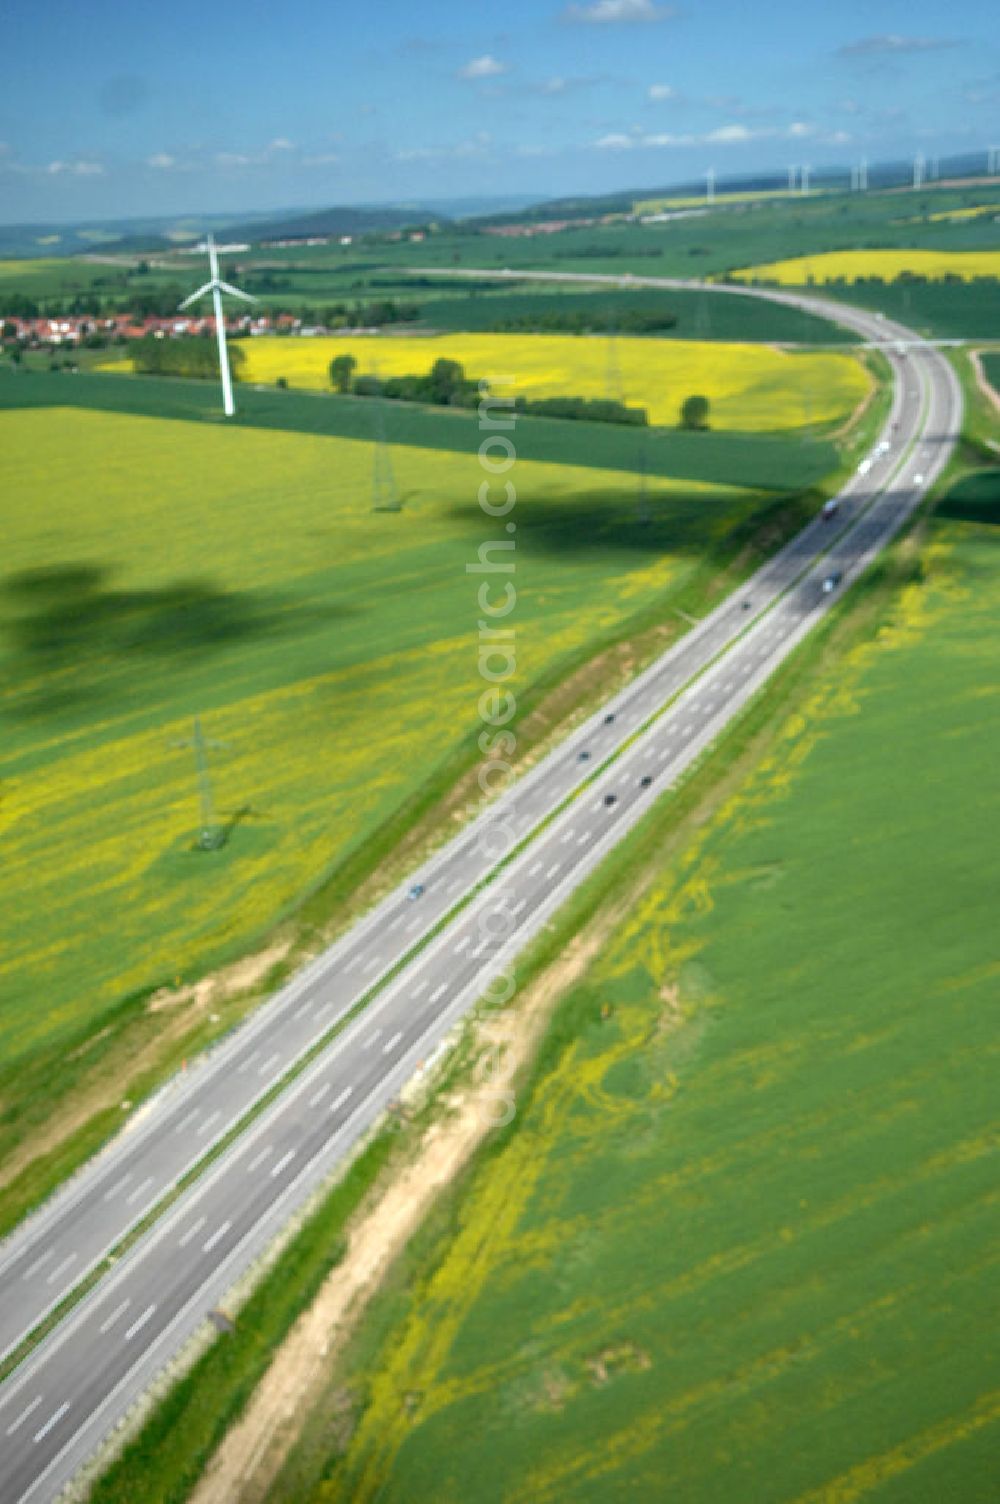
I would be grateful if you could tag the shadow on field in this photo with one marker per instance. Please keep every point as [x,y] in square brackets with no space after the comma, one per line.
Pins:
[975,498]
[73,634]
[680,523]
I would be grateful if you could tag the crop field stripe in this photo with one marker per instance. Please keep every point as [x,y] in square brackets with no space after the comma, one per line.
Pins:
[781,463]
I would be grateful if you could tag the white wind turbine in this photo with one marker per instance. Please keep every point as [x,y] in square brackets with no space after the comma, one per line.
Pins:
[217,287]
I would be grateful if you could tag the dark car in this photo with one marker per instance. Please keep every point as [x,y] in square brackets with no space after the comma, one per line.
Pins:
[645,780]
[832,581]
[609,718]
[583,756]
[611,798]
[416,891]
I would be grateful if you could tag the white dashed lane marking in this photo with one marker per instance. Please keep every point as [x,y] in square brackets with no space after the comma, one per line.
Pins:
[139,1323]
[61,1269]
[24,1416]
[217,1236]
[192,1231]
[53,1420]
[116,1315]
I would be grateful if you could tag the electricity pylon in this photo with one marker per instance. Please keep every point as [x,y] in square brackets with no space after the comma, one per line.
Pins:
[642,503]
[385,496]
[614,390]
[211,834]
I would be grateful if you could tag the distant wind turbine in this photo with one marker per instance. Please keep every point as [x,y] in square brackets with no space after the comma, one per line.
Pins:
[217,287]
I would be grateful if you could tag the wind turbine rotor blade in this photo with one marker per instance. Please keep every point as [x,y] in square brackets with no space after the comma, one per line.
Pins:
[196,295]
[234,292]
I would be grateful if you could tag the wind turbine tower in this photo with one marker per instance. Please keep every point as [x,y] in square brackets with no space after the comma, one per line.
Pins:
[805,171]
[791,179]
[918,170]
[863,175]
[993,161]
[710,186]
[217,287]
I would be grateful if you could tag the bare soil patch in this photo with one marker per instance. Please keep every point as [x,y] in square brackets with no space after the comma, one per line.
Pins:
[249,1459]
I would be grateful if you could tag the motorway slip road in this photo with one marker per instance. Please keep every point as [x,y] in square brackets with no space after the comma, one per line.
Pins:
[57,1406]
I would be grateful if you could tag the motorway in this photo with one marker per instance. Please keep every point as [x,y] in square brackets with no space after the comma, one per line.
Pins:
[442,948]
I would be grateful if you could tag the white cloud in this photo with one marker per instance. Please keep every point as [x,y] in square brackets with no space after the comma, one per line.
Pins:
[486,66]
[621,142]
[735,134]
[161,159]
[611,12]
[731,135]
[475,146]
[893,45]
[324,159]
[77,169]
[281,143]
[661,91]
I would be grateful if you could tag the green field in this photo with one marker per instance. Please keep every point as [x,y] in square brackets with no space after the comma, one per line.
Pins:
[779,462]
[726,238]
[719,242]
[699,315]
[939,309]
[736,1244]
[157,570]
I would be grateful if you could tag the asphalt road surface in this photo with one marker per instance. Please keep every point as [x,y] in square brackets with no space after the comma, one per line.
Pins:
[444,946]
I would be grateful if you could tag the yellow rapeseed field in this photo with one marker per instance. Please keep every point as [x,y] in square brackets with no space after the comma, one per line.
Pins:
[750,386]
[698,200]
[848,266]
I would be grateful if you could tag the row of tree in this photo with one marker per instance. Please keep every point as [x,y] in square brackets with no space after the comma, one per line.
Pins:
[580,321]
[446,385]
[198,357]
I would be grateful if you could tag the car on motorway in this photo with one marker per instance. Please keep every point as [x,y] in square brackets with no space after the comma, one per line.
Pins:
[416,891]
[583,756]
[609,718]
[645,780]
[610,799]
[830,508]
[918,480]
[831,582]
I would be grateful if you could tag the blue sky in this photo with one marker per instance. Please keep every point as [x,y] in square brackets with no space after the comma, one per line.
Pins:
[121,107]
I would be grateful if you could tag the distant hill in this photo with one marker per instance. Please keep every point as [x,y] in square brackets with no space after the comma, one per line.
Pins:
[880,175]
[335,221]
[149,232]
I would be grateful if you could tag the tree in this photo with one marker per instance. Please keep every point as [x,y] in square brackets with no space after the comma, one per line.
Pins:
[694,412]
[445,381]
[341,370]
